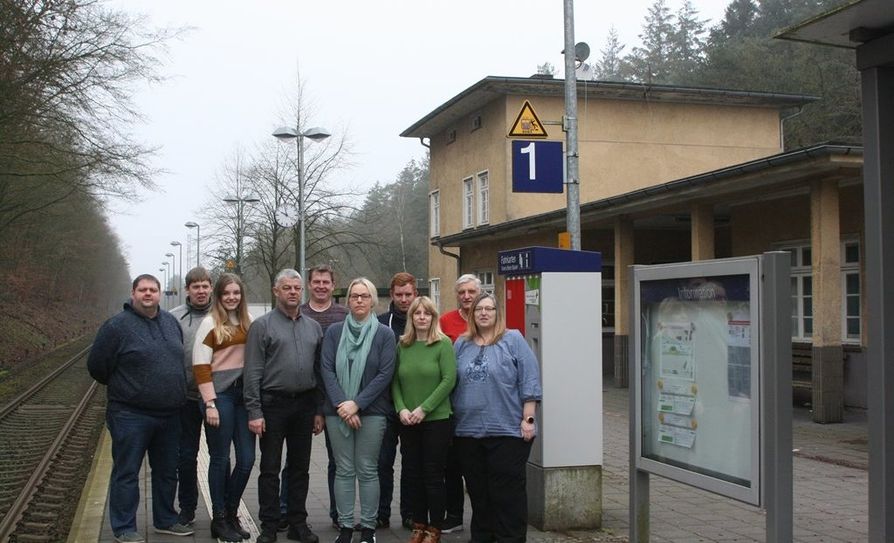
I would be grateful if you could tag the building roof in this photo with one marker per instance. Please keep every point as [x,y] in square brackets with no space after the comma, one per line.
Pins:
[492,87]
[760,176]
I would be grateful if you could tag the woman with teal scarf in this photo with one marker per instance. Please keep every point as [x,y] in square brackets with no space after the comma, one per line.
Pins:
[357,366]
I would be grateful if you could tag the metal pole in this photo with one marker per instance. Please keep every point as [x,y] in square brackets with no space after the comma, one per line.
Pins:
[198,238]
[570,124]
[180,282]
[301,247]
[239,205]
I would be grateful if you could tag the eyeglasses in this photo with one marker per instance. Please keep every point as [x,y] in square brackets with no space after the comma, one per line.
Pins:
[357,297]
[481,309]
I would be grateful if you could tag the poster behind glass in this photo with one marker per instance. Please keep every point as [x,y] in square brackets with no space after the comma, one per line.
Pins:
[697,389]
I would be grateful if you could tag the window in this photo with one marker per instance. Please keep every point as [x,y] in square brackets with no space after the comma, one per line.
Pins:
[434,291]
[487,281]
[851,323]
[434,200]
[802,292]
[483,199]
[468,203]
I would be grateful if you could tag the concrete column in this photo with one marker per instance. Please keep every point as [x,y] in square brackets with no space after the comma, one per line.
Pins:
[702,231]
[828,359]
[623,258]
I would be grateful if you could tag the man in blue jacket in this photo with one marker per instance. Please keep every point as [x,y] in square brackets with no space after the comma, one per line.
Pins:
[138,355]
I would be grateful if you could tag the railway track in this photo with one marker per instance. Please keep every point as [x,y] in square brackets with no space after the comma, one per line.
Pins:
[47,436]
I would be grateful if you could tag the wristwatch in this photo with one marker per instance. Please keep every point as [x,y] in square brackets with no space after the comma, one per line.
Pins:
[210,405]
[529,420]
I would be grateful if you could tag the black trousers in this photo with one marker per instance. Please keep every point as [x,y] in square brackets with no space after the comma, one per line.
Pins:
[289,420]
[453,479]
[495,472]
[424,449]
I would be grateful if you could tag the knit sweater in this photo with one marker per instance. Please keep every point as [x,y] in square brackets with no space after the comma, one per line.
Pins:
[217,365]
[425,376]
[140,360]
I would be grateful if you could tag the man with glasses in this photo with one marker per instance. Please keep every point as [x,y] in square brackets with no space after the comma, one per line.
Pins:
[454,324]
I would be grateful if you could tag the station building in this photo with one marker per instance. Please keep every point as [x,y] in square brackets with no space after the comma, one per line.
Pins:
[667,174]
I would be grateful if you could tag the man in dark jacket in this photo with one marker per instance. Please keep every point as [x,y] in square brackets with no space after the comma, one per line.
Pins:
[138,355]
[403,292]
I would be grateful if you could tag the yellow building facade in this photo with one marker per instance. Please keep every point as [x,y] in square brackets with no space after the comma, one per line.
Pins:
[666,174]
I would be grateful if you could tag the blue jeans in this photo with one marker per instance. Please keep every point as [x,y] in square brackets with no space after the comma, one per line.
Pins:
[134,433]
[190,432]
[226,487]
[356,465]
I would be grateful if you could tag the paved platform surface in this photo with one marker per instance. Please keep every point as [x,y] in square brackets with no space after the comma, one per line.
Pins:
[830,494]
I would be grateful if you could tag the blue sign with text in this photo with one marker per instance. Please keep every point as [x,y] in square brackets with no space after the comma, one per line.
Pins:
[537,166]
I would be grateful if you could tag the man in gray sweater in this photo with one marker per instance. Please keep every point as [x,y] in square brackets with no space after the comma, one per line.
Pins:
[284,399]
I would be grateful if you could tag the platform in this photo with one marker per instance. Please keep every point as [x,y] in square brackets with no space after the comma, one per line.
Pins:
[830,494]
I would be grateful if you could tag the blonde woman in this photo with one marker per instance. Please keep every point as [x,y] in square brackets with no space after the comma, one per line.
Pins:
[423,380]
[357,363]
[218,359]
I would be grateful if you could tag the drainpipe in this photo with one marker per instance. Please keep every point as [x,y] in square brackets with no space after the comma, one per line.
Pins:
[451,255]
[782,127]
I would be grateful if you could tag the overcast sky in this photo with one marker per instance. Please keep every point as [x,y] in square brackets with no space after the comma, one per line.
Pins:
[370,69]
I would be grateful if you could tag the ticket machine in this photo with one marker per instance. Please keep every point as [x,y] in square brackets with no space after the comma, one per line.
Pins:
[554,297]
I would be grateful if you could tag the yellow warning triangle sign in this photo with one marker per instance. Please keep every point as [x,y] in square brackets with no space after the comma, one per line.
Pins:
[527,123]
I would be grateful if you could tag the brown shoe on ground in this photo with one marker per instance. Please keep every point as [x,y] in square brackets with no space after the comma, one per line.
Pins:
[432,535]
[418,532]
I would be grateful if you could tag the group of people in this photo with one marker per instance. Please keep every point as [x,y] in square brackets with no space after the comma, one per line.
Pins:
[458,392]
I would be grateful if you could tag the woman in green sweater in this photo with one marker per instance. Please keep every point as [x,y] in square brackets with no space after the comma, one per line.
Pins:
[425,375]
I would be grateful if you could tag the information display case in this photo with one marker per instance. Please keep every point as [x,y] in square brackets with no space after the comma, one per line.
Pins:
[698,381]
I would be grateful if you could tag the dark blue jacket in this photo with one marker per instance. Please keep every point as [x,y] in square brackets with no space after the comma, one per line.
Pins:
[374,396]
[140,360]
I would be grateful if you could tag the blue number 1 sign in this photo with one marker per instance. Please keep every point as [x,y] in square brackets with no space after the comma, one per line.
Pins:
[537,166]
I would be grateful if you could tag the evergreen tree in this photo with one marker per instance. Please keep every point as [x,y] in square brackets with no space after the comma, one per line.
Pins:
[687,44]
[650,62]
[610,66]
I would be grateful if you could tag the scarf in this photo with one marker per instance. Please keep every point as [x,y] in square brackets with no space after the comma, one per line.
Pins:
[350,358]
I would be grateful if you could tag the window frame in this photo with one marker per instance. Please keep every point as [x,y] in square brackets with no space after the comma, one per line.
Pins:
[434,209]
[434,291]
[468,203]
[482,191]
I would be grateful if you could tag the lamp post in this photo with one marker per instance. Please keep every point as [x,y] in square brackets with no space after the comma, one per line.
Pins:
[173,267]
[165,277]
[167,281]
[315,134]
[180,280]
[195,225]
[240,202]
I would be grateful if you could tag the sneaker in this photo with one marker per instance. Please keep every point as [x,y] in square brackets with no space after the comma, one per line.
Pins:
[266,537]
[452,525]
[303,534]
[186,518]
[176,529]
[367,535]
[129,537]
[344,535]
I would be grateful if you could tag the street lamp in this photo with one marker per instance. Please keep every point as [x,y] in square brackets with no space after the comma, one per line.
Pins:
[240,202]
[180,280]
[165,277]
[167,281]
[314,134]
[173,267]
[195,225]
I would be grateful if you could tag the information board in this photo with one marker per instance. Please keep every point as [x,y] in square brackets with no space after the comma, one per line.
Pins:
[697,385]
